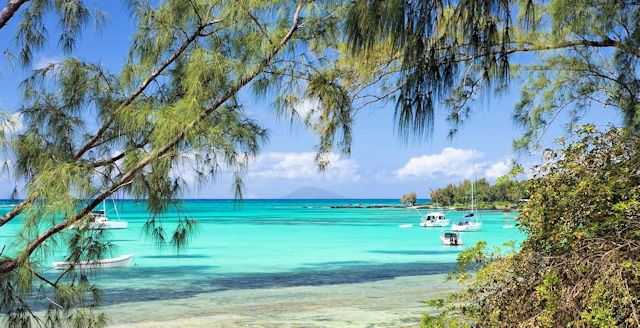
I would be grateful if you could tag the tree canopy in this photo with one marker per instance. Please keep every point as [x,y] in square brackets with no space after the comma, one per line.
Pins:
[409,198]
[572,55]
[506,191]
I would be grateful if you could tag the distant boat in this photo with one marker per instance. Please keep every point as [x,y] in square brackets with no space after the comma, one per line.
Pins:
[406,225]
[116,262]
[100,221]
[434,219]
[467,224]
[451,238]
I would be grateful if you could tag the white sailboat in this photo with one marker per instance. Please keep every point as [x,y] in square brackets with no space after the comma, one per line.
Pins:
[100,221]
[467,224]
[120,261]
[434,219]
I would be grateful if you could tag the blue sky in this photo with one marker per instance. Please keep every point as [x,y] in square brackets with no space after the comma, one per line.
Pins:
[381,165]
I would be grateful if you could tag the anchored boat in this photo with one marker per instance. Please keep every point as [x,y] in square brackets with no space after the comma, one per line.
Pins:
[434,219]
[467,224]
[100,220]
[451,238]
[120,261]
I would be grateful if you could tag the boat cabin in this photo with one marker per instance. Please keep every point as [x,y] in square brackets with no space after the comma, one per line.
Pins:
[452,238]
[435,216]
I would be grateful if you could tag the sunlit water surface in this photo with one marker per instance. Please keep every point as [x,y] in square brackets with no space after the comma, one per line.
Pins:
[275,243]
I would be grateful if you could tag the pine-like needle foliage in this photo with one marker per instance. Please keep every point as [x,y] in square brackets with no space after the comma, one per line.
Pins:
[449,53]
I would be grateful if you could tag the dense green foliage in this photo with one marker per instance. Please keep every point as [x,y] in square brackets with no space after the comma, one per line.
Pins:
[580,263]
[506,192]
[409,198]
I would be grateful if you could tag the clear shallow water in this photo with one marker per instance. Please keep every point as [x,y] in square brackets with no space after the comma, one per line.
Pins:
[277,243]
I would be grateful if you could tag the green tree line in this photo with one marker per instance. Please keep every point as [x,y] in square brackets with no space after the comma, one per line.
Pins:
[505,192]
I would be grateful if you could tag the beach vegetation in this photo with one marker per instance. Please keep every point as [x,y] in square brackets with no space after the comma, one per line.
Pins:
[580,263]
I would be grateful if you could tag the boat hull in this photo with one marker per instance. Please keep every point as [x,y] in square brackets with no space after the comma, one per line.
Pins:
[108,225]
[116,262]
[449,242]
[466,227]
[434,224]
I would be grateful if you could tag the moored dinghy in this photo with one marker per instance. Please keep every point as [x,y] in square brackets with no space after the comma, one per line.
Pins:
[115,262]
[451,238]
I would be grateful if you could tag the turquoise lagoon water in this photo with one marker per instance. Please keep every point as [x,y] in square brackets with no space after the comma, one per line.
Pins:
[277,243]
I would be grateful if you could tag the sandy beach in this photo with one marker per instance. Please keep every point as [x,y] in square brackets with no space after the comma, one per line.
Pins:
[388,303]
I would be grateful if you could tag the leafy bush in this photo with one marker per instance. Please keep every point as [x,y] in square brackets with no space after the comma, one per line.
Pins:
[580,263]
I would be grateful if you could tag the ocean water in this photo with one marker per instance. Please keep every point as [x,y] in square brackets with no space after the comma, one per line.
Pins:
[275,243]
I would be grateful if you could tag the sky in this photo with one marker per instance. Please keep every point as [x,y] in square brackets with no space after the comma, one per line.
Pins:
[381,165]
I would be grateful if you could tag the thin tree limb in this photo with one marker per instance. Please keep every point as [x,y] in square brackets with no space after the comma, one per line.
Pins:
[9,10]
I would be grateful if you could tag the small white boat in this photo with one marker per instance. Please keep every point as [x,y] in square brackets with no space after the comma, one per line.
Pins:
[101,222]
[451,238]
[434,219]
[116,262]
[406,225]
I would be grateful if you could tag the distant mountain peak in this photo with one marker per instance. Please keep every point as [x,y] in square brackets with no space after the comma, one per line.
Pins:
[312,193]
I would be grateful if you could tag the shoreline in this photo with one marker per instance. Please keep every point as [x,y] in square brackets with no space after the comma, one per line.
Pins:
[397,302]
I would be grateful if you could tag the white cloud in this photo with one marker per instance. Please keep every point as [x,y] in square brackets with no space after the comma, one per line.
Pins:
[450,162]
[46,61]
[301,166]
[453,163]
[498,169]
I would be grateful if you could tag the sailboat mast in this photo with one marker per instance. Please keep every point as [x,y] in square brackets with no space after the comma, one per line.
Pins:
[472,196]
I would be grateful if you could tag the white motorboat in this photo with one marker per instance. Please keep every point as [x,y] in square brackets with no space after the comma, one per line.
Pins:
[451,238]
[434,219]
[406,225]
[116,262]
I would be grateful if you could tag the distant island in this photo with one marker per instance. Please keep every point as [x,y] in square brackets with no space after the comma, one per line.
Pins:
[312,193]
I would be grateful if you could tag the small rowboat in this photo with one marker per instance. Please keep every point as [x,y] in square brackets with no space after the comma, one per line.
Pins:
[451,238]
[116,262]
